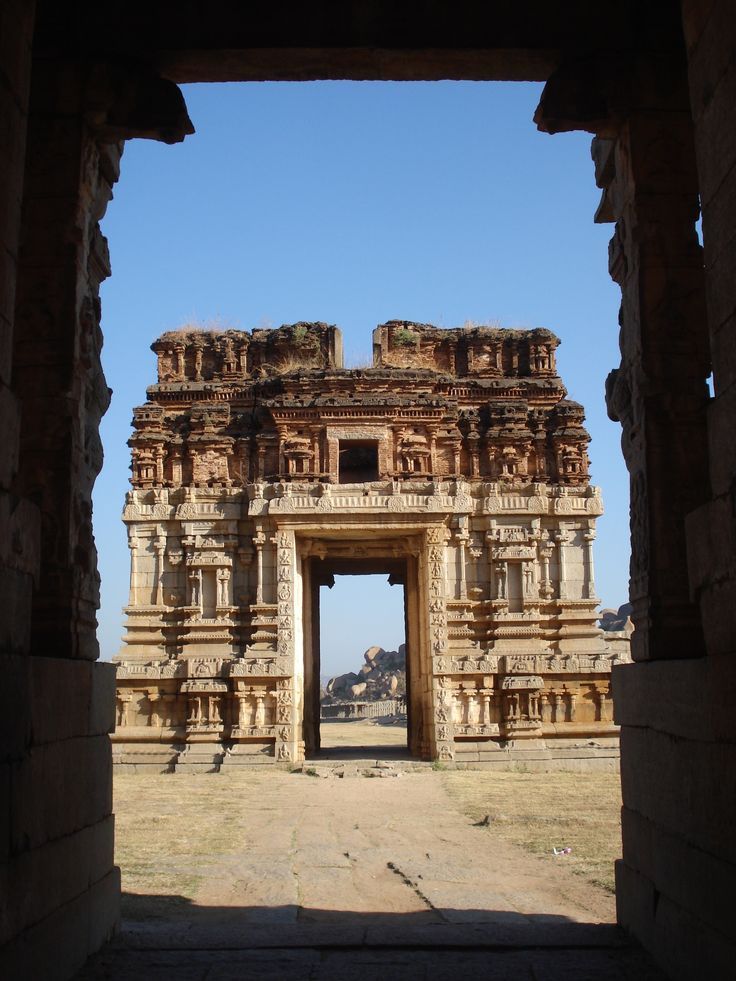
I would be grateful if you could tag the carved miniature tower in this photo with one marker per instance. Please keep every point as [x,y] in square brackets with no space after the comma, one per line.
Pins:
[261,467]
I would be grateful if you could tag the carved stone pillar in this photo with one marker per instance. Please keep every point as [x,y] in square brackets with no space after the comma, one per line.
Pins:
[561,541]
[260,714]
[557,707]
[545,709]
[435,566]
[461,538]
[243,713]
[646,166]
[154,719]
[123,703]
[589,538]
[659,392]
[159,455]
[133,545]
[159,547]
[259,540]
[195,589]
[545,587]
[501,578]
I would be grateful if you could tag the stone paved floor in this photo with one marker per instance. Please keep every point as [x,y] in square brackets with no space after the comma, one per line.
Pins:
[345,877]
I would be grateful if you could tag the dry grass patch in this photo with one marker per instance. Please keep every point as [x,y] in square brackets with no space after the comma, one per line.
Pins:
[171,832]
[541,811]
[363,732]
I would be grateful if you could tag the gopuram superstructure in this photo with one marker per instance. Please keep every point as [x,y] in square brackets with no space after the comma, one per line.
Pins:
[261,468]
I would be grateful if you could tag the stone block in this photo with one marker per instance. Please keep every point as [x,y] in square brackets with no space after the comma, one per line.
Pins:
[718,609]
[720,263]
[102,698]
[56,948]
[16,589]
[66,867]
[59,788]
[4,811]
[637,688]
[716,135]
[692,878]
[15,737]
[676,938]
[678,784]
[10,414]
[710,36]
[711,543]
[61,694]
[7,311]
[71,698]
[20,534]
[723,352]
[16,33]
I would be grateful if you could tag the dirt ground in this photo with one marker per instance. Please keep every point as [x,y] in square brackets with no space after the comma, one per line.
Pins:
[364,869]
[390,731]
[539,812]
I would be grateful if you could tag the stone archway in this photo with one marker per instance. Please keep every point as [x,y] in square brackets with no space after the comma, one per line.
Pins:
[658,90]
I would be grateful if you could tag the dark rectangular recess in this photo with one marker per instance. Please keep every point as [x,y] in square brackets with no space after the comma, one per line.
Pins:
[358,461]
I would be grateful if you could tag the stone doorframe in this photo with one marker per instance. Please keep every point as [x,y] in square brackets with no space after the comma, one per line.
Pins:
[307,557]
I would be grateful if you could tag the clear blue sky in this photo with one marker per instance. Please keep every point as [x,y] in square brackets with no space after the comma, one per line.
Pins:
[354,203]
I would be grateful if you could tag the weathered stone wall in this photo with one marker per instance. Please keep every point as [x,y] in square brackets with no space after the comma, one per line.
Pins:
[665,148]
[60,896]
[239,476]
[679,863]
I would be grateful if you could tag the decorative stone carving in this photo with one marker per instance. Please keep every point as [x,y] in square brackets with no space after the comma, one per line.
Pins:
[485,492]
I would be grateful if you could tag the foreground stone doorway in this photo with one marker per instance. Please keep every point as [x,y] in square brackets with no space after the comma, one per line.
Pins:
[654,100]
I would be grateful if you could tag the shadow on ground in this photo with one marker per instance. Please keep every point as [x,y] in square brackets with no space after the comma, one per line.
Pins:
[169,937]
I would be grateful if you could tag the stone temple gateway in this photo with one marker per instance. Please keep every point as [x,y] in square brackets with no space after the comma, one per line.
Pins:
[455,465]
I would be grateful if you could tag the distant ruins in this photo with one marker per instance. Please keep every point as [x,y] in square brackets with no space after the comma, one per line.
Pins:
[455,465]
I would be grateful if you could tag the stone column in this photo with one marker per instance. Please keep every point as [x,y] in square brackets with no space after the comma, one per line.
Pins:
[435,571]
[243,713]
[259,540]
[159,547]
[123,700]
[646,166]
[195,588]
[490,542]
[557,708]
[133,545]
[159,457]
[604,706]
[545,711]
[485,697]
[589,538]
[153,716]
[260,714]
[501,578]
[462,540]
[545,553]
[561,541]
[288,745]
[433,452]
[659,393]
